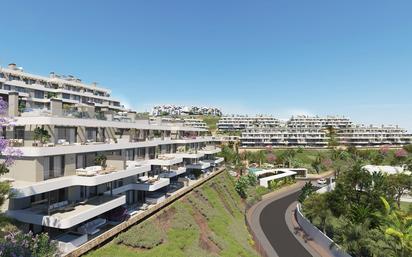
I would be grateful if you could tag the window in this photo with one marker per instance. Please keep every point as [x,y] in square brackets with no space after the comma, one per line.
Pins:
[38,94]
[91,134]
[66,96]
[7,87]
[18,132]
[53,166]
[67,133]
[76,97]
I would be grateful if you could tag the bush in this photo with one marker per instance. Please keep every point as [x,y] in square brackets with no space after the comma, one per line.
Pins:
[252,179]
[145,235]
[241,186]
[19,244]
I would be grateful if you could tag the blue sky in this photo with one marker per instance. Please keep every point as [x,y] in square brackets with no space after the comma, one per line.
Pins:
[352,58]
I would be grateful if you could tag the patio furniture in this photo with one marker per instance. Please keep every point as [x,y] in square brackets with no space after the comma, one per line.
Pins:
[143,178]
[58,206]
[89,171]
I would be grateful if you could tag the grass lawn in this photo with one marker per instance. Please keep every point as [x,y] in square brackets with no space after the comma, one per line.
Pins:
[406,206]
[207,222]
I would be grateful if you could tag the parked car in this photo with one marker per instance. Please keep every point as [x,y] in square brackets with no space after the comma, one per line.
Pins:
[321,181]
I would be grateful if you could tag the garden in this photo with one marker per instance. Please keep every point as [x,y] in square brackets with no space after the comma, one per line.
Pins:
[364,214]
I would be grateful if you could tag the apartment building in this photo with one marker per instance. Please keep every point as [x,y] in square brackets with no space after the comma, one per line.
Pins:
[180,110]
[195,123]
[82,171]
[188,122]
[240,123]
[305,131]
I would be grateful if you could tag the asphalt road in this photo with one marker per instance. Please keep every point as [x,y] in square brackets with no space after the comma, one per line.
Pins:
[272,221]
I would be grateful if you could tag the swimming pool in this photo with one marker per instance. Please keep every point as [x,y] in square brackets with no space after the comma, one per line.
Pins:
[253,170]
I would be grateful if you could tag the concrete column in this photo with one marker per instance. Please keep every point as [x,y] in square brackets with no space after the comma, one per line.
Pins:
[81,135]
[90,110]
[146,153]
[50,129]
[13,104]
[56,107]
[69,164]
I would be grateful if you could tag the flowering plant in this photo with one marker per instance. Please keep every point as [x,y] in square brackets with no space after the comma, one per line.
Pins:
[18,244]
[7,153]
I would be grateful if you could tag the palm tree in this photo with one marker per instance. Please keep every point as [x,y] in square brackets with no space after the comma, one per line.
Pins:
[315,209]
[398,227]
[240,168]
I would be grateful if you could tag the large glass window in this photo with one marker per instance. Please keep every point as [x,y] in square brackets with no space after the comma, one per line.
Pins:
[91,134]
[66,134]
[19,132]
[38,94]
[53,166]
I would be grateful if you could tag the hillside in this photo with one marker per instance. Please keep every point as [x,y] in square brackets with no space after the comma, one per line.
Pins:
[207,222]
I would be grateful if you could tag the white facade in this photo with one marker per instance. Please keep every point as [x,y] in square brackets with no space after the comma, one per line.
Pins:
[60,183]
[177,110]
[307,131]
[239,123]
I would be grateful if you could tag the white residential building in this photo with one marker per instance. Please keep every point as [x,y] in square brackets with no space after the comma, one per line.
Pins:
[240,123]
[178,110]
[307,131]
[86,170]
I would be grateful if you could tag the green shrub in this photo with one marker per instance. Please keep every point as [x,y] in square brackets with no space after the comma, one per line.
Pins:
[145,235]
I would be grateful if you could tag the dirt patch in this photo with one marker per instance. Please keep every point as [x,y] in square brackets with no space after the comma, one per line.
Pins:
[204,240]
[164,219]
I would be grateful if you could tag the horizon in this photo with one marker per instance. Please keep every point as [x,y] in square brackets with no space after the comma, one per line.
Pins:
[277,58]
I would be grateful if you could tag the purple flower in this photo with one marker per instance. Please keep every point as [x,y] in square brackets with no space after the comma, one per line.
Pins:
[401,153]
[271,157]
[384,150]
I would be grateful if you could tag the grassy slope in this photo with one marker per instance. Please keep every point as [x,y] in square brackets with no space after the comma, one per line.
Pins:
[207,222]
[210,121]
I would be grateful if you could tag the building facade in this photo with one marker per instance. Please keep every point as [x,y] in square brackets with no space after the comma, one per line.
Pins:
[304,131]
[85,162]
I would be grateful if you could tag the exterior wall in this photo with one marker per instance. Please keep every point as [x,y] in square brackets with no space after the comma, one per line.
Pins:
[323,240]
[26,169]
[70,164]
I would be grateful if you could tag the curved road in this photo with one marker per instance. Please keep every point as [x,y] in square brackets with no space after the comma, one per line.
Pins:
[272,221]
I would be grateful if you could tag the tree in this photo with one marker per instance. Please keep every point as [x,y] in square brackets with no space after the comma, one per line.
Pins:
[240,168]
[41,135]
[9,153]
[331,134]
[306,191]
[241,186]
[398,227]
[315,209]
[252,179]
[288,157]
[261,157]
[398,184]
[316,164]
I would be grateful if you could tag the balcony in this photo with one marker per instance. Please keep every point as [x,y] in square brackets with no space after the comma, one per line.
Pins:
[24,189]
[201,165]
[210,150]
[173,172]
[151,184]
[70,215]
